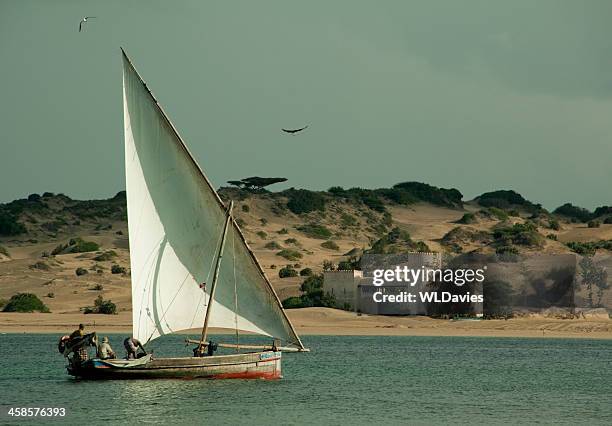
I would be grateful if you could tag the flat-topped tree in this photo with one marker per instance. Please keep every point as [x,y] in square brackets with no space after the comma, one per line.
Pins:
[255,183]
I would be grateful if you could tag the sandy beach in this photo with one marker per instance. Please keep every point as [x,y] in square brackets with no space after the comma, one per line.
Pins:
[325,321]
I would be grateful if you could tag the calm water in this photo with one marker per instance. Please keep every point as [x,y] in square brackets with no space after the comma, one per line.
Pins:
[344,380]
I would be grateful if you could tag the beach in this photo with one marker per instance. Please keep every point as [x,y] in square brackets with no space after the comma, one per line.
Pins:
[326,321]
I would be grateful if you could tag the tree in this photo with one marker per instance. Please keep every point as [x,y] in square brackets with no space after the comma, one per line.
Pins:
[255,183]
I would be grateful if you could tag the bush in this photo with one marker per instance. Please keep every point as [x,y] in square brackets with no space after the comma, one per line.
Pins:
[42,266]
[431,194]
[504,199]
[554,224]
[499,214]
[273,245]
[263,221]
[262,235]
[593,224]
[292,241]
[608,220]
[80,271]
[312,289]
[98,287]
[313,230]
[116,269]
[523,234]
[106,256]
[283,231]
[304,201]
[293,303]
[290,254]
[347,220]
[76,245]
[330,245]
[25,302]
[306,272]
[102,306]
[245,208]
[9,224]
[468,219]
[287,272]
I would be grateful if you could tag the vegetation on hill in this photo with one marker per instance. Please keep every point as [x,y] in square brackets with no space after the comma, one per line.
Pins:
[520,234]
[312,295]
[506,199]
[76,245]
[25,302]
[456,238]
[590,247]
[312,230]
[573,212]
[304,201]
[397,241]
[101,306]
[4,251]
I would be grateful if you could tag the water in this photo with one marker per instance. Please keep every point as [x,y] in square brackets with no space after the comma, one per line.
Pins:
[344,380]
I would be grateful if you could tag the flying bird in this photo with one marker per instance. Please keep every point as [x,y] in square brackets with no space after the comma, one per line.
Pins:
[292,131]
[83,21]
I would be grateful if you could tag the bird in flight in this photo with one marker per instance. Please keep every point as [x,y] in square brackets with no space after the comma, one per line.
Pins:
[83,21]
[292,131]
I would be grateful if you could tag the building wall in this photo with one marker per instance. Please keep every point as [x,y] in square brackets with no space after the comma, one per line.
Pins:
[343,286]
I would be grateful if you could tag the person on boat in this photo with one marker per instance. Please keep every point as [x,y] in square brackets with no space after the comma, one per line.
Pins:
[106,351]
[79,332]
[131,345]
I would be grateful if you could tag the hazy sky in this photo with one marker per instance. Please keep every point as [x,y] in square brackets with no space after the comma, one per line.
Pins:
[477,95]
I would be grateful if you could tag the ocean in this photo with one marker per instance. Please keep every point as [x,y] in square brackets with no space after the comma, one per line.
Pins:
[351,380]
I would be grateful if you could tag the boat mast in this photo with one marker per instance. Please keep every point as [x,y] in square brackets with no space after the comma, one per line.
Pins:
[213,286]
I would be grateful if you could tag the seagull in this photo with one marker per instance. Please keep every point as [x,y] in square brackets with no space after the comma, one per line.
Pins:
[292,131]
[83,21]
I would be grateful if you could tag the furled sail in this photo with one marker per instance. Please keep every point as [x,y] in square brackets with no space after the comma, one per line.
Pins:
[175,221]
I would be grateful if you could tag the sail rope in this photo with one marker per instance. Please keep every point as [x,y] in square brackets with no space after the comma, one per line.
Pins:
[235,289]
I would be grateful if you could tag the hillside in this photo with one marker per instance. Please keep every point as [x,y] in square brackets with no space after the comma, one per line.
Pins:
[45,239]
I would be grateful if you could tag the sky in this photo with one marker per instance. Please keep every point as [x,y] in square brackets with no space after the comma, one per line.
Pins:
[475,95]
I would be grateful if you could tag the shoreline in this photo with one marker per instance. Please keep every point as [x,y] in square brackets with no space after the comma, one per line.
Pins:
[331,322]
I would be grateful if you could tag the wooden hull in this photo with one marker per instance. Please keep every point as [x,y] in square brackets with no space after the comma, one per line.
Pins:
[256,365]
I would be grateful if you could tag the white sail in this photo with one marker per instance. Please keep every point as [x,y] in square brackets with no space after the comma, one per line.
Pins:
[175,221]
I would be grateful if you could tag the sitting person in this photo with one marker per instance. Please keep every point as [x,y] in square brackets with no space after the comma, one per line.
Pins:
[105,351]
[131,345]
[78,333]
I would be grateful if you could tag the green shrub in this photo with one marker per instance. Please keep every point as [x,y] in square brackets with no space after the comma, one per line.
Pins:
[287,272]
[552,237]
[330,245]
[467,218]
[348,219]
[116,269]
[25,302]
[608,220]
[293,303]
[273,245]
[312,295]
[313,230]
[554,224]
[503,199]
[261,234]
[80,271]
[98,287]
[397,241]
[263,221]
[9,224]
[292,241]
[498,213]
[589,248]
[431,194]
[290,254]
[594,224]
[306,272]
[106,256]
[245,208]
[522,234]
[102,306]
[283,231]
[304,201]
